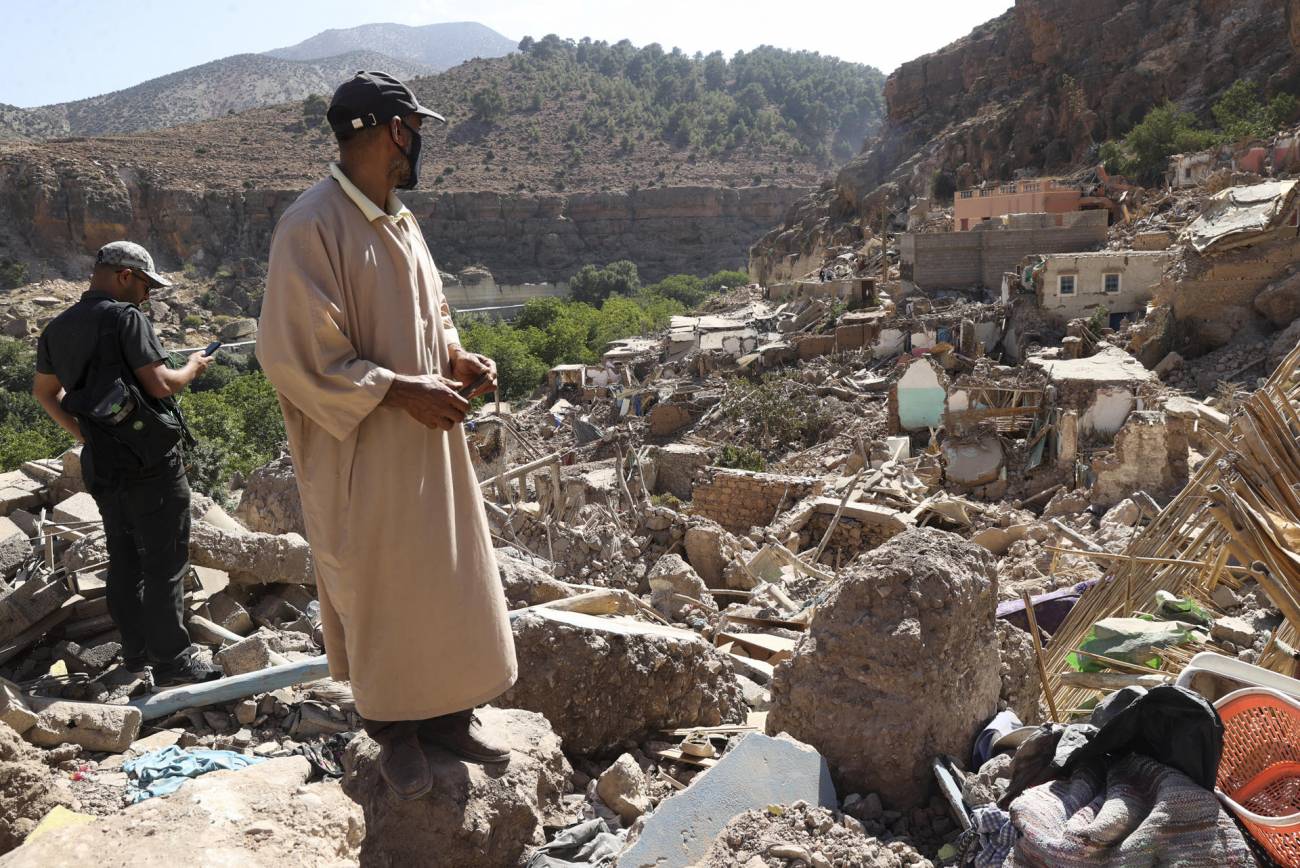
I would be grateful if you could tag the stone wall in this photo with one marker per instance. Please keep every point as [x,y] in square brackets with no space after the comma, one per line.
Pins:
[677,466]
[741,499]
[1150,455]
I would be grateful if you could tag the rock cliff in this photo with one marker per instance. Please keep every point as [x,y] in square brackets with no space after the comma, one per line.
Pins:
[1036,89]
[56,213]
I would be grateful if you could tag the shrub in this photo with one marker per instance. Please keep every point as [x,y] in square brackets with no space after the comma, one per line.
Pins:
[488,104]
[1242,114]
[12,274]
[742,458]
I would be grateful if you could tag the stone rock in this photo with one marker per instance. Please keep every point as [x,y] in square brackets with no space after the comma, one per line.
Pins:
[1171,362]
[1066,503]
[710,549]
[900,665]
[85,553]
[108,728]
[671,576]
[79,509]
[1235,630]
[989,783]
[263,816]
[253,558]
[14,710]
[28,789]
[623,788]
[476,814]
[251,655]
[1280,302]
[1022,689]
[238,330]
[19,491]
[757,772]
[15,548]
[225,611]
[1225,597]
[270,502]
[527,585]
[602,681]
[1124,514]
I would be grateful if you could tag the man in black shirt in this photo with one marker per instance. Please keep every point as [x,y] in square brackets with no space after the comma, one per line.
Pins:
[146,509]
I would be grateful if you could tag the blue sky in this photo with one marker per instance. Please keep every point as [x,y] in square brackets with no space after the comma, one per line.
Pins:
[60,50]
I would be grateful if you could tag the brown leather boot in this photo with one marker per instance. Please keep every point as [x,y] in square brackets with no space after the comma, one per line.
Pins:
[403,765]
[461,733]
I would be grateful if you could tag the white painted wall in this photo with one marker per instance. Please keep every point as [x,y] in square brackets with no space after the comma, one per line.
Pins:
[1107,412]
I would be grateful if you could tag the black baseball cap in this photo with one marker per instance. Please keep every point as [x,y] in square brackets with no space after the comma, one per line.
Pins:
[369,99]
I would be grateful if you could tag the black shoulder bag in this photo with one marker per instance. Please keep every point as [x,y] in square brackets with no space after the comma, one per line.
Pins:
[125,429]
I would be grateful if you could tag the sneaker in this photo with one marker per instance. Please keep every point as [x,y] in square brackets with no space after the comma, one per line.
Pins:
[404,767]
[135,662]
[187,670]
[464,735]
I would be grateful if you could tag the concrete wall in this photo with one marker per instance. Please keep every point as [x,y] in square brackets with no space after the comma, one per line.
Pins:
[740,499]
[1139,274]
[961,260]
[479,290]
[1150,455]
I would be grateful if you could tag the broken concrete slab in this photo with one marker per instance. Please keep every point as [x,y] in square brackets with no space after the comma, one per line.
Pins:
[476,814]
[757,772]
[899,665]
[19,491]
[15,548]
[79,509]
[602,681]
[262,816]
[253,558]
[224,611]
[27,604]
[108,728]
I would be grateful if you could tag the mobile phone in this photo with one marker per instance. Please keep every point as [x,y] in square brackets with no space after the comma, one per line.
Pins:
[211,348]
[466,391]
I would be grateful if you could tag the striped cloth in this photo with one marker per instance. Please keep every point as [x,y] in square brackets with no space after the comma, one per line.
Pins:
[1134,812]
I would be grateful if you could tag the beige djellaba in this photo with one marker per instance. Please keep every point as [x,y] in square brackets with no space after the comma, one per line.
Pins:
[413,609]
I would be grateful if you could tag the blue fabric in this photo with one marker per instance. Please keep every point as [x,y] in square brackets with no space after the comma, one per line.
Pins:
[996,836]
[162,772]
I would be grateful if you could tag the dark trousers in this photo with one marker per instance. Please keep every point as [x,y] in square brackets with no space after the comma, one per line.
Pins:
[147,531]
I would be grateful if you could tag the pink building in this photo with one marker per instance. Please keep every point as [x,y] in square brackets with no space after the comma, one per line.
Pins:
[1036,196]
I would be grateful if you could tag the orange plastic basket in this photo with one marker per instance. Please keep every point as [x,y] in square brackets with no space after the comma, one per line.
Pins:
[1259,774]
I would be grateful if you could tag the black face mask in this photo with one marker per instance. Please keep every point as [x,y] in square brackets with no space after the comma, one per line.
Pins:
[413,158]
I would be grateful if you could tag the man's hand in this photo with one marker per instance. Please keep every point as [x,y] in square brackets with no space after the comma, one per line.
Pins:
[199,363]
[467,367]
[430,399]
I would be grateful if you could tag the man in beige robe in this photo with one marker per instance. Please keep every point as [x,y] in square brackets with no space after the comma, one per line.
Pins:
[357,338]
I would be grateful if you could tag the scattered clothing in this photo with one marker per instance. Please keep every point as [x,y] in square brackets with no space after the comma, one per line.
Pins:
[161,772]
[989,841]
[1133,812]
[1003,723]
[590,844]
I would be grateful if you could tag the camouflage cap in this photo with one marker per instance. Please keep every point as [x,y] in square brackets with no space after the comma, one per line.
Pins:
[127,254]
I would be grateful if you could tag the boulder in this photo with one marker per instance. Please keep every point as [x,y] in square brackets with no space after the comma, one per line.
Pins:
[602,681]
[900,665]
[107,728]
[270,502]
[476,814]
[623,788]
[238,329]
[262,816]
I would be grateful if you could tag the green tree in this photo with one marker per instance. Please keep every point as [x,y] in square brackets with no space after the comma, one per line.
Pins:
[592,285]
[1144,153]
[488,104]
[314,108]
[1242,114]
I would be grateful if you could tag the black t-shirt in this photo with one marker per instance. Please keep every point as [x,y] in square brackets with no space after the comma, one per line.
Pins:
[69,344]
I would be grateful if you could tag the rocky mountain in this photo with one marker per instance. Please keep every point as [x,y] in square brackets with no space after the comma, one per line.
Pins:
[222,87]
[435,46]
[552,158]
[1035,91]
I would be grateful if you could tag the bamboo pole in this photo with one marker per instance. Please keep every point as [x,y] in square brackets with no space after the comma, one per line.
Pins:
[1038,655]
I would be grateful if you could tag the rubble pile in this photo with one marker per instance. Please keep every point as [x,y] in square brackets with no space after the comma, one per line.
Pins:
[836,571]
